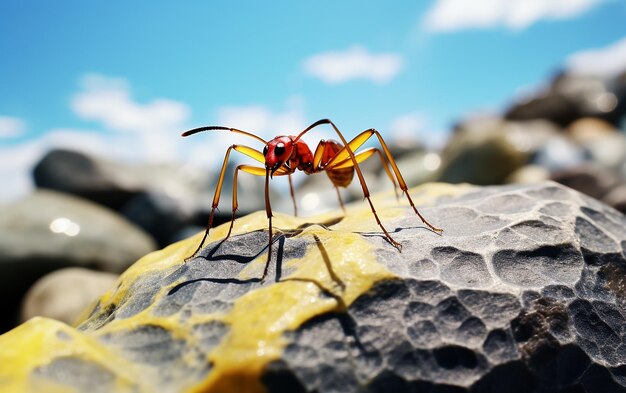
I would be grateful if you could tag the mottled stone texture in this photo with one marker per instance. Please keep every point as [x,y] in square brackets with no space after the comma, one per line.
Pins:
[524,292]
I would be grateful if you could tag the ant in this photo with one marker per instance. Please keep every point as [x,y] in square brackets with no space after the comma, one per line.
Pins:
[283,155]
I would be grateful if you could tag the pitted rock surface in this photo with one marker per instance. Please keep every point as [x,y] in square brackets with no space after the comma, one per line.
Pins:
[524,292]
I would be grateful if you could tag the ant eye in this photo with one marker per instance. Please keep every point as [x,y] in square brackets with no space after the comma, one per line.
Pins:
[265,150]
[279,150]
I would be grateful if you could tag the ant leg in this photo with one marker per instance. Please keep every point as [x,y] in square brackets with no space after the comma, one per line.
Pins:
[388,171]
[216,201]
[218,190]
[253,170]
[364,155]
[257,171]
[323,153]
[268,212]
[345,154]
[339,158]
[343,207]
[293,197]
[235,203]
[402,183]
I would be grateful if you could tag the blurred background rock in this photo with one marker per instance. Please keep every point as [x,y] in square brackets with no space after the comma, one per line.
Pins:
[89,210]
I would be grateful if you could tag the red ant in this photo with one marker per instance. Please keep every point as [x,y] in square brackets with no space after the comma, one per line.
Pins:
[284,155]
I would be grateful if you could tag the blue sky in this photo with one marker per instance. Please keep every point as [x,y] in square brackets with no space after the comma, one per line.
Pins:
[122,79]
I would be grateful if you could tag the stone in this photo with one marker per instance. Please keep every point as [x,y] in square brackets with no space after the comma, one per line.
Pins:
[589,179]
[113,184]
[590,128]
[472,151]
[47,231]
[558,108]
[523,292]
[529,174]
[79,174]
[160,198]
[569,97]
[616,198]
[158,214]
[417,168]
[529,136]
[605,146]
[560,153]
[65,293]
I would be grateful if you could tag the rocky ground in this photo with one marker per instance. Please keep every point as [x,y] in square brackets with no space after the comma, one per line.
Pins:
[524,292]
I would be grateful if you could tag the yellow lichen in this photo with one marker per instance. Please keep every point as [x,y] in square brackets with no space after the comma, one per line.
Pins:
[39,341]
[338,266]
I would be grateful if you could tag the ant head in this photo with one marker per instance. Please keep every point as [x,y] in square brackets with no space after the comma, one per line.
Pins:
[277,152]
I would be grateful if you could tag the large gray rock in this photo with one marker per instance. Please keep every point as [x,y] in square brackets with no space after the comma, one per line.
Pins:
[158,214]
[160,198]
[64,294]
[79,174]
[603,142]
[48,231]
[524,292]
[570,96]
[480,152]
[595,181]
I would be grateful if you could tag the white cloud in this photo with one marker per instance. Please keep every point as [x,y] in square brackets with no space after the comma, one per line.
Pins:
[452,15]
[605,62]
[11,127]
[257,119]
[156,125]
[108,100]
[16,163]
[263,121]
[132,132]
[354,63]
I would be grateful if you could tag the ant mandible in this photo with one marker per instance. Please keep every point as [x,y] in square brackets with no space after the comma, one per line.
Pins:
[284,155]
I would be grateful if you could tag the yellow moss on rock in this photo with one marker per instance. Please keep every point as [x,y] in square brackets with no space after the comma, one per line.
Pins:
[256,321]
[26,350]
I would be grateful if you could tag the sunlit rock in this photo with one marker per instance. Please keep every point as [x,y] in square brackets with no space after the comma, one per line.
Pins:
[524,292]
[48,230]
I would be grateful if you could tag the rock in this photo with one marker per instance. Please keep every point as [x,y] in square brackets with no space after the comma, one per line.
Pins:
[48,231]
[76,173]
[160,198]
[480,153]
[617,198]
[589,128]
[571,96]
[601,140]
[417,168]
[589,179]
[560,153]
[113,184]
[558,108]
[528,174]
[158,214]
[524,292]
[529,136]
[65,293]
